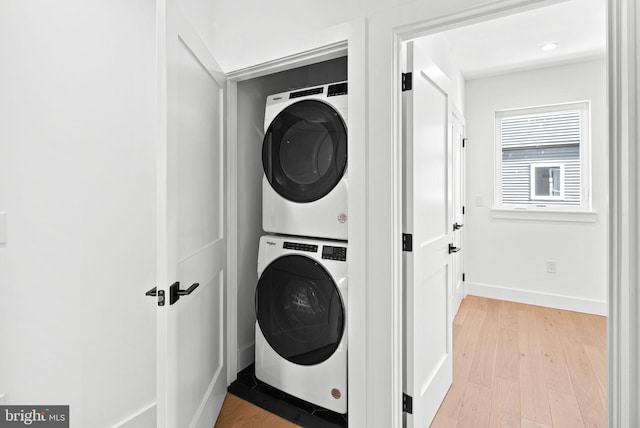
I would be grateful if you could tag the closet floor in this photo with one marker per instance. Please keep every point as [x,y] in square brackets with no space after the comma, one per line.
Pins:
[286,406]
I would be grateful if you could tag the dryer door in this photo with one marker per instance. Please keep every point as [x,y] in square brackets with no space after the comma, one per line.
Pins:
[300,310]
[304,153]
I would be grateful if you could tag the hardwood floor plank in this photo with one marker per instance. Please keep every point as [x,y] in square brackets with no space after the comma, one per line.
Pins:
[565,411]
[598,359]
[461,316]
[483,364]
[591,329]
[238,413]
[464,347]
[526,423]
[508,315]
[450,407]
[505,404]
[475,411]
[441,421]
[590,396]
[554,362]
[463,350]
[533,390]
[507,364]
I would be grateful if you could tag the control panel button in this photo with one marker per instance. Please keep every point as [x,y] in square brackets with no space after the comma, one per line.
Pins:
[334,253]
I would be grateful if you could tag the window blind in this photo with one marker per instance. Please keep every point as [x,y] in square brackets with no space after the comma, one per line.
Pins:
[542,138]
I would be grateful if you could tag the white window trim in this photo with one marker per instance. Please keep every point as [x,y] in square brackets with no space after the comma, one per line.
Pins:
[499,209]
[545,215]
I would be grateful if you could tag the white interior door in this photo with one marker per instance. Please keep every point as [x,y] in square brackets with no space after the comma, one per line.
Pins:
[458,148]
[191,226]
[427,217]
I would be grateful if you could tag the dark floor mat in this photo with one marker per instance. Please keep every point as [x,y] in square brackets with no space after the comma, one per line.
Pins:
[284,405]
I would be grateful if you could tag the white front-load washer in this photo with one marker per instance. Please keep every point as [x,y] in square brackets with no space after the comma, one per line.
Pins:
[301,300]
[304,158]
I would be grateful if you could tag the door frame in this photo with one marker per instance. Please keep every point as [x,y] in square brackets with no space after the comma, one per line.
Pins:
[344,39]
[458,119]
[623,323]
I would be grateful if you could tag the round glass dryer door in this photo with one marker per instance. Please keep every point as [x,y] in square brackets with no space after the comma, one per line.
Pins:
[304,153]
[299,310]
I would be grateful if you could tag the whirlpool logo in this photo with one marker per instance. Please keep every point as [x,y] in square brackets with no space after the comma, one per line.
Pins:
[34,416]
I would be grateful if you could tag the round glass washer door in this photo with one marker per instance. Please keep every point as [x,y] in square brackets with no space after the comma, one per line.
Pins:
[299,310]
[304,152]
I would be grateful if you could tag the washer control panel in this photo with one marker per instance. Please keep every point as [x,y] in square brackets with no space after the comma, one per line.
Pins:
[300,247]
[334,253]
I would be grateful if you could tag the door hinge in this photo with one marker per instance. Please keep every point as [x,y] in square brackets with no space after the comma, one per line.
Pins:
[464,277]
[407,81]
[407,403]
[464,142]
[407,242]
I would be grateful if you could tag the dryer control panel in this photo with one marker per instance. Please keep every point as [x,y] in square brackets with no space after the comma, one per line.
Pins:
[300,247]
[334,253]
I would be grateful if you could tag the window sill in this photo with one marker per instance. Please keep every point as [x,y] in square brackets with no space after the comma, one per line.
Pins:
[538,215]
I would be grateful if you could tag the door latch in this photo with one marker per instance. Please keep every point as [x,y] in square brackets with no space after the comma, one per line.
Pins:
[154,292]
[457,226]
[453,249]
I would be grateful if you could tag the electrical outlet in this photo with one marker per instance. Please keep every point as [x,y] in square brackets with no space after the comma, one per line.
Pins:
[479,201]
[552,266]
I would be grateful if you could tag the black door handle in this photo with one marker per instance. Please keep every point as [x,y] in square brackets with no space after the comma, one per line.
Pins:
[175,292]
[457,226]
[453,249]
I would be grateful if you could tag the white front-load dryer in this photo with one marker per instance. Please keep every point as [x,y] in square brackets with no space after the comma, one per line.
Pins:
[304,158]
[301,338]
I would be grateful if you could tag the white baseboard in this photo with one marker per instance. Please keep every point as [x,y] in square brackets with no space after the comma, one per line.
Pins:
[568,303]
[246,356]
[144,418]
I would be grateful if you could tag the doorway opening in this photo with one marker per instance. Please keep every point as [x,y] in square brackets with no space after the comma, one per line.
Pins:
[546,254]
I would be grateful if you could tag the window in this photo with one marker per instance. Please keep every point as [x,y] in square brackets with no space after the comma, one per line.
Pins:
[547,182]
[542,158]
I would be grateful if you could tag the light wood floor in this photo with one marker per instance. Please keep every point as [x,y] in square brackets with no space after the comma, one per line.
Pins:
[514,365]
[238,413]
[525,366]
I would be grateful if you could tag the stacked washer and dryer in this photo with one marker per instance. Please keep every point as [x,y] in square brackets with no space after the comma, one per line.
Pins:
[301,296]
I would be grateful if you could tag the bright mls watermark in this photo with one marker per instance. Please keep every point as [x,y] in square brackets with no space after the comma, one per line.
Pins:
[34,416]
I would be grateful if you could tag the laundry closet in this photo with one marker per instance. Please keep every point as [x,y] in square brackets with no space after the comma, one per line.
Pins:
[302,83]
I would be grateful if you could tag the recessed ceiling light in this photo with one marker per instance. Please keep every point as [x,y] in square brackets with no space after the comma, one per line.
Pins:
[549,46]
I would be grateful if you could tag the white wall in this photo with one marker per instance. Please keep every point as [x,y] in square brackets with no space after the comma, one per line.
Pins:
[77,180]
[252,96]
[507,258]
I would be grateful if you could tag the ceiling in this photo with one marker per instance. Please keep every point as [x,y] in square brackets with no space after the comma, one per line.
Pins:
[513,43]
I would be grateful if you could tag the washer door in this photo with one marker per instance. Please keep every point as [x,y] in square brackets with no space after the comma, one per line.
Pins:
[299,310]
[304,153]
